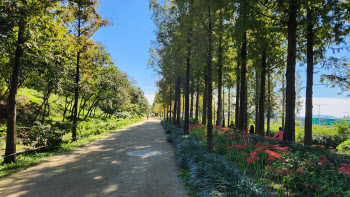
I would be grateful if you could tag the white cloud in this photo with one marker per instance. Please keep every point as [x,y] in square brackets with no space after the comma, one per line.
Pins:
[150,98]
[328,106]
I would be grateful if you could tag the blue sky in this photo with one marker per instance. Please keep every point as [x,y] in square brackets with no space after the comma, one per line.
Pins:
[129,38]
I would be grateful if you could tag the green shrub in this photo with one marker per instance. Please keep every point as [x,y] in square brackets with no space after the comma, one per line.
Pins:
[44,135]
[345,146]
[194,121]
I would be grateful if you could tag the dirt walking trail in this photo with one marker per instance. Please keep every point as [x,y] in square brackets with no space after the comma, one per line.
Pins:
[106,168]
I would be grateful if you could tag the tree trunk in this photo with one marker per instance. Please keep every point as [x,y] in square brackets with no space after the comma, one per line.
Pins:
[167,113]
[220,51]
[268,103]
[187,86]
[310,73]
[197,102]
[175,103]
[228,110]
[223,107]
[66,105]
[178,101]
[170,101]
[261,121]
[289,133]
[283,102]
[210,85]
[76,99]
[238,90]
[256,96]
[205,100]
[12,105]
[243,93]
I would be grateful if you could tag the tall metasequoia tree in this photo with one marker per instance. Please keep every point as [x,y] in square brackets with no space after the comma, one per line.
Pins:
[289,133]
[309,82]
[209,81]
[188,67]
[243,89]
[261,122]
[238,90]
[220,65]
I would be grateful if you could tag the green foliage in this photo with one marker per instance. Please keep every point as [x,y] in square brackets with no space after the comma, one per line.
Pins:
[210,174]
[344,147]
[44,135]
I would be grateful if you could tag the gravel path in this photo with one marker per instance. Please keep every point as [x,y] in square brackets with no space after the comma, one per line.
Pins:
[103,168]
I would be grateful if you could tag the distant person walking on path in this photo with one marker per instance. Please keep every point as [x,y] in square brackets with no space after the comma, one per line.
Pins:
[232,126]
[245,129]
[251,129]
[147,117]
[279,134]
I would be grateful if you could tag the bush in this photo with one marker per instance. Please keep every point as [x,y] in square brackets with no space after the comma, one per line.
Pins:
[345,146]
[44,135]
[194,121]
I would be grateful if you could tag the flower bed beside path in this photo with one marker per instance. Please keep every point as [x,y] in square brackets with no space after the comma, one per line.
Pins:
[210,174]
[286,168]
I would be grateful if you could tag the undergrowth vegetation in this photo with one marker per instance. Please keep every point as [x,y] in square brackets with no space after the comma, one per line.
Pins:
[209,174]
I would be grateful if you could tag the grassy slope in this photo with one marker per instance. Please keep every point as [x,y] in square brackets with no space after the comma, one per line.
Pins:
[28,102]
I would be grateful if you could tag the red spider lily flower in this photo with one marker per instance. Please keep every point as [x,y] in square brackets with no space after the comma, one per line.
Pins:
[344,165]
[270,158]
[228,147]
[250,160]
[238,146]
[256,134]
[323,157]
[283,172]
[272,153]
[322,162]
[344,170]
[299,170]
[257,145]
[269,167]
